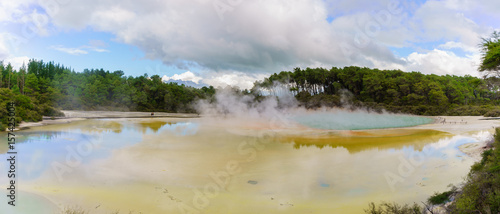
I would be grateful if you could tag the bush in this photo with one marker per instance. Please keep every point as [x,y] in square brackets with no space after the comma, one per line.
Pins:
[440,198]
[493,113]
[480,193]
[393,208]
[51,111]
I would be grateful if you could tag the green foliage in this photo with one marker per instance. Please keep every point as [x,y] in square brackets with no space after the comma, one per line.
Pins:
[25,108]
[97,89]
[394,90]
[393,208]
[44,88]
[491,53]
[481,193]
[440,198]
[493,113]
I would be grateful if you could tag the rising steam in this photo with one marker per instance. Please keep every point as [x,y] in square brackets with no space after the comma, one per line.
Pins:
[230,105]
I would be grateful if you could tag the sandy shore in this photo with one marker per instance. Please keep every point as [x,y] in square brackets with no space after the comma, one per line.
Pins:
[120,114]
[460,124]
[71,116]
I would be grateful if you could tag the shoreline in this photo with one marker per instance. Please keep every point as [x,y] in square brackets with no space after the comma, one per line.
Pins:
[467,125]
[454,125]
[123,114]
[71,116]
[475,150]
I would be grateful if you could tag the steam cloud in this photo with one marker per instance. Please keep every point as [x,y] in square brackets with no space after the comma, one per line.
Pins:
[231,106]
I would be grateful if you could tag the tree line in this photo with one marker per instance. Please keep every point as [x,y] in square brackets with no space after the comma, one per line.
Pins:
[42,88]
[395,90]
[408,92]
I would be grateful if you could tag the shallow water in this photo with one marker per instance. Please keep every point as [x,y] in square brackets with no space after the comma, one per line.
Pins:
[192,165]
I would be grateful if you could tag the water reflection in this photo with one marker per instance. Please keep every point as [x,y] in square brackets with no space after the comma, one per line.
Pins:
[39,150]
[178,128]
[154,126]
[153,165]
[143,126]
[356,141]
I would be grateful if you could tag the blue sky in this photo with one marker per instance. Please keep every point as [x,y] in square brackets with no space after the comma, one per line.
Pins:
[223,42]
[75,48]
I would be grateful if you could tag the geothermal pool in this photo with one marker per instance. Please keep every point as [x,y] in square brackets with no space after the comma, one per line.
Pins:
[206,165]
[358,120]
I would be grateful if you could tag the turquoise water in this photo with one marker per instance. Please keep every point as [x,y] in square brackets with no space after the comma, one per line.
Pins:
[358,120]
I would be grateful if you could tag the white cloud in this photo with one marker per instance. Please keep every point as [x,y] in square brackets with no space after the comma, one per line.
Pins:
[219,79]
[254,36]
[455,20]
[4,50]
[443,63]
[10,10]
[261,37]
[232,78]
[95,45]
[451,45]
[186,76]
[270,36]
[17,62]
[72,51]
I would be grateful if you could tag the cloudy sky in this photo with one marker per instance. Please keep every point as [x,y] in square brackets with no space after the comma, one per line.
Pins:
[236,42]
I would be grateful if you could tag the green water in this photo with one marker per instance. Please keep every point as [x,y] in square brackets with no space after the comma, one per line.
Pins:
[358,120]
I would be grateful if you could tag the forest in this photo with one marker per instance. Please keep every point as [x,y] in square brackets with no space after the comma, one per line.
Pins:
[392,90]
[44,88]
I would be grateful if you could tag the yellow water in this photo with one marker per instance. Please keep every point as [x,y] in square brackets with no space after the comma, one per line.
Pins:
[198,166]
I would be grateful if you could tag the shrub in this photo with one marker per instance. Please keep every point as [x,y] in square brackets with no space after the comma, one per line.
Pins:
[481,192]
[493,113]
[440,198]
[393,208]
